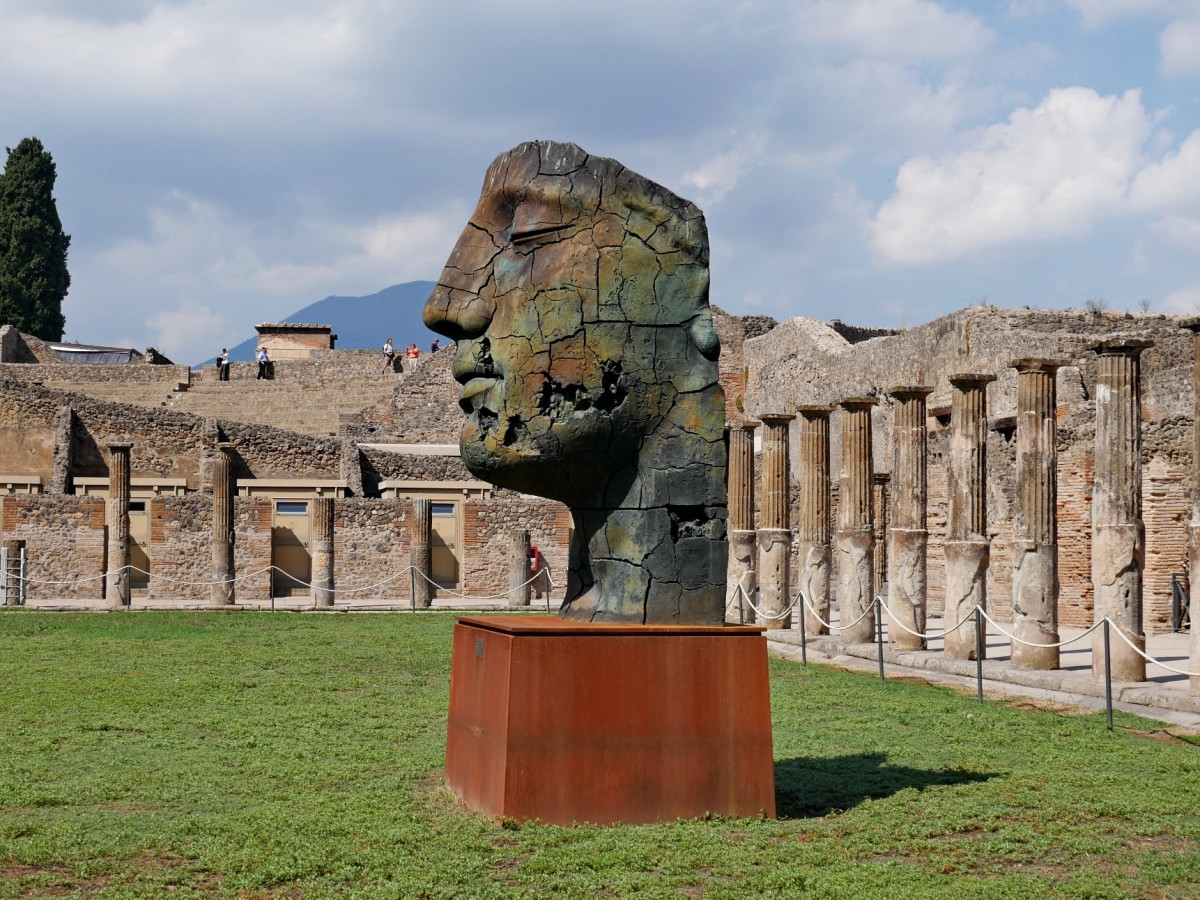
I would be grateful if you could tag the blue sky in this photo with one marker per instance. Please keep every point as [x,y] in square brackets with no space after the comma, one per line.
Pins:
[880,161]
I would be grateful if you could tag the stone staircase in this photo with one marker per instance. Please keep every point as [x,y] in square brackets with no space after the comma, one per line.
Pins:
[136,393]
[310,406]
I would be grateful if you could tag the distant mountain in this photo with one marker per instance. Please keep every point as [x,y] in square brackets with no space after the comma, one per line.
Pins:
[363,323]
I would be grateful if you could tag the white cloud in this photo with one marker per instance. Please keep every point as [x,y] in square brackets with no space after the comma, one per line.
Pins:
[911,29]
[1047,172]
[1173,182]
[190,332]
[1184,300]
[719,174]
[1179,231]
[1179,46]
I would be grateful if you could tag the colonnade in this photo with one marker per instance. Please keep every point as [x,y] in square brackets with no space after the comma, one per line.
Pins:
[1118,535]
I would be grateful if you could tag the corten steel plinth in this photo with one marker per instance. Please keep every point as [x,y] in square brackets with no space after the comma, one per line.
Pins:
[856,524]
[519,585]
[1193,325]
[116,582]
[420,553]
[907,536]
[322,552]
[775,533]
[815,551]
[223,585]
[1118,535]
[742,577]
[1035,526]
[540,729]
[967,548]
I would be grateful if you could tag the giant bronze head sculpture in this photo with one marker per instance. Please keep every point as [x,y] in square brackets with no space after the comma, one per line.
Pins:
[578,295]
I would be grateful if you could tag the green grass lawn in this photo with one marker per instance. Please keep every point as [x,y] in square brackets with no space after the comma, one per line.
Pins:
[250,755]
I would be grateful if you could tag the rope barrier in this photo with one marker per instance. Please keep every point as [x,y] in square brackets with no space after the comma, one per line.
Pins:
[238,578]
[1149,659]
[928,635]
[1014,638]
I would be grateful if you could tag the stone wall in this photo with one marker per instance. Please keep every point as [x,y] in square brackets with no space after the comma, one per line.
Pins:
[64,540]
[180,548]
[371,550]
[423,409]
[487,529]
[733,332]
[804,361]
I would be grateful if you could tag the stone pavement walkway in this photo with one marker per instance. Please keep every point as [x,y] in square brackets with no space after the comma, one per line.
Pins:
[1164,696]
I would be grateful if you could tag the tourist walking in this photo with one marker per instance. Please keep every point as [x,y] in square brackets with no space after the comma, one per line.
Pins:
[389,356]
[263,362]
[433,349]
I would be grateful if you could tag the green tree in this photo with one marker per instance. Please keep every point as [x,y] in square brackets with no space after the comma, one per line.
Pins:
[33,247]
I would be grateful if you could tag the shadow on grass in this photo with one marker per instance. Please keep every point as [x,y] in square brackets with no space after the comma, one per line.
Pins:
[807,787]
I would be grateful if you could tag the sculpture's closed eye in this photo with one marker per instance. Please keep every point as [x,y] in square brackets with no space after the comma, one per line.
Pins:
[541,232]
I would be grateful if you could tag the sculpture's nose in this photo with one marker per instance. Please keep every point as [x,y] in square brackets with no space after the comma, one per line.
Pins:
[461,306]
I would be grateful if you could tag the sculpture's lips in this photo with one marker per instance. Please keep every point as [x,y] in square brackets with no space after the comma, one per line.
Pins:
[476,386]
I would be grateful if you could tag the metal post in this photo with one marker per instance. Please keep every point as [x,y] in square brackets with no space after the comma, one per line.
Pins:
[412,588]
[21,576]
[979,651]
[879,631]
[803,635]
[3,576]
[1107,678]
[741,604]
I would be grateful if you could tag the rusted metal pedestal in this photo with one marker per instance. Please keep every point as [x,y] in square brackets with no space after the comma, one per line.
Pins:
[568,722]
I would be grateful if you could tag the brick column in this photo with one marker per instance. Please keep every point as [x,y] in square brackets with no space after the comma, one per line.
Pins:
[815,551]
[421,552]
[967,548]
[1118,534]
[322,552]
[1035,526]
[223,588]
[1193,325]
[907,536]
[855,541]
[116,582]
[775,535]
[519,585]
[742,569]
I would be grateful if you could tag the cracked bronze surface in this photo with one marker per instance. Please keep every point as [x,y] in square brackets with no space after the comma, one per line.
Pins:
[578,295]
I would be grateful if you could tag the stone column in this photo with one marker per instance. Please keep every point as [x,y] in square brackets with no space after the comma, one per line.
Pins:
[775,535]
[815,552]
[742,569]
[116,582]
[322,552]
[1193,325]
[1035,526]
[855,540]
[223,592]
[881,482]
[967,548]
[519,585]
[421,552]
[907,536]
[1118,535]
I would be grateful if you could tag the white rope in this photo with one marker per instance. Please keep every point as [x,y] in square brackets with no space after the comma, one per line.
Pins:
[759,614]
[1013,637]
[339,590]
[896,621]
[1149,659]
[830,625]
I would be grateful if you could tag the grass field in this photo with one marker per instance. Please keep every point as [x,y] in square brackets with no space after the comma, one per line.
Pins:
[250,755]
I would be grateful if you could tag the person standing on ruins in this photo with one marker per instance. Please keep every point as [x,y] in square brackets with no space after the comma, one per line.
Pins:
[433,348]
[263,362]
[223,365]
[389,356]
[412,352]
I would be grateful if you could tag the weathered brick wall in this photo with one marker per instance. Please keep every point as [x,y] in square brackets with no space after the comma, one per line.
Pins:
[65,542]
[252,549]
[180,548]
[487,529]
[370,546]
[733,332]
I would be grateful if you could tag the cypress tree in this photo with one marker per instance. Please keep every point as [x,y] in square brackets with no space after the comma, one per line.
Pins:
[33,248]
